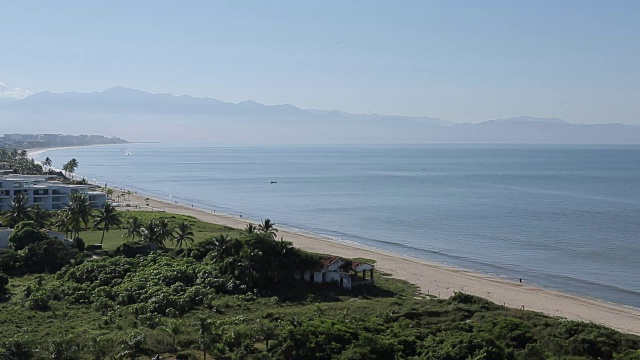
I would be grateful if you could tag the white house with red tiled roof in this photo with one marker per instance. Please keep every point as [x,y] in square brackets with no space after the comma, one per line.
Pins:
[342,272]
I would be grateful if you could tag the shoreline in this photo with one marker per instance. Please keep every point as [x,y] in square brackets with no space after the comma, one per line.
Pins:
[436,279]
[432,278]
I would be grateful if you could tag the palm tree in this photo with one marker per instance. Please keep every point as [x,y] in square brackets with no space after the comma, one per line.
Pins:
[48,163]
[80,212]
[268,227]
[183,234]
[133,228]
[71,166]
[205,333]
[107,217]
[67,169]
[165,232]
[287,258]
[18,211]
[222,245]
[61,222]
[152,234]
[109,192]
[174,329]
[250,229]
[40,216]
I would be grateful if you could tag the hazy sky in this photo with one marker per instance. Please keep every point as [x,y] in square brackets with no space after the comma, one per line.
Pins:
[461,61]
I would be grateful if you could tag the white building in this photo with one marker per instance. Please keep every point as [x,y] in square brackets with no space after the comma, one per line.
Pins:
[342,272]
[51,195]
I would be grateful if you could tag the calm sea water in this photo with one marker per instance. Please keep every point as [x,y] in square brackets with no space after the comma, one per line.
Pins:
[564,217]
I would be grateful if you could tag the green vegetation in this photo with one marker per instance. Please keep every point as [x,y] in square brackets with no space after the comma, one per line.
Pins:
[132,223]
[18,161]
[56,140]
[25,234]
[70,167]
[231,295]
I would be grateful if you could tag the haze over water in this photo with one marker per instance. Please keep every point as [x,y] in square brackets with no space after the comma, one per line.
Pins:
[564,217]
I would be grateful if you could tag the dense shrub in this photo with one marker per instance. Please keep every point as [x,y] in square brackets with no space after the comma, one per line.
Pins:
[452,345]
[79,244]
[232,299]
[24,235]
[315,339]
[17,348]
[47,256]
[133,249]
[186,356]
[38,301]
[4,281]
[467,299]
[26,225]
[10,261]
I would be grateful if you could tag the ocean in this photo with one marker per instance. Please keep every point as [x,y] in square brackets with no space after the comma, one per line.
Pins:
[561,217]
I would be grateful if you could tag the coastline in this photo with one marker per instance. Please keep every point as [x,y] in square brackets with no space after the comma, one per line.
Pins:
[436,279]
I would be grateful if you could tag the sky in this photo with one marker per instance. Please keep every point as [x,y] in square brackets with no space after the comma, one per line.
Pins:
[461,61]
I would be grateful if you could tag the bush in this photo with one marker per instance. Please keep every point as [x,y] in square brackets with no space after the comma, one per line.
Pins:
[21,237]
[79,244]
[10,261]
[38,301]
[134,249]
[186,356]
[17,348]
[26,225]
[461,298]
[4,281]
[47,256]
[94,247]
[62,348]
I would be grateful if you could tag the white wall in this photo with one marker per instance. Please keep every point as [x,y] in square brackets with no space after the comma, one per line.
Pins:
[346,281]
[4,238]
[332,276]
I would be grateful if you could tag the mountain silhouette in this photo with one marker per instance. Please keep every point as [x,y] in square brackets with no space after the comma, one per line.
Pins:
[141,116]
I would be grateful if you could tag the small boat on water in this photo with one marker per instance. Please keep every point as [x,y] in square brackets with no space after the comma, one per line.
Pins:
[274,182]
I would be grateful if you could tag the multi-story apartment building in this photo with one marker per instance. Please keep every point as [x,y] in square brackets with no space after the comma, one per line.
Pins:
[51,195]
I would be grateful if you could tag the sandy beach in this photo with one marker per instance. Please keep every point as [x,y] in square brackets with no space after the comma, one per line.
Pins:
[437,279]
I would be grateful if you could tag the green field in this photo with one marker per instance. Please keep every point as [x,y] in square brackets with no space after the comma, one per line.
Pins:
[202,230]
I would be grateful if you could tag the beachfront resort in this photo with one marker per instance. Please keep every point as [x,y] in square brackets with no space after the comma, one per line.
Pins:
[47,191]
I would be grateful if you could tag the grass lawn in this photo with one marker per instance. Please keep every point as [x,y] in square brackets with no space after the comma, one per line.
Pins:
[202,230]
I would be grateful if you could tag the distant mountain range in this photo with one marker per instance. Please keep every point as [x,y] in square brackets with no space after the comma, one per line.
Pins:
[141,116]
[6,100]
